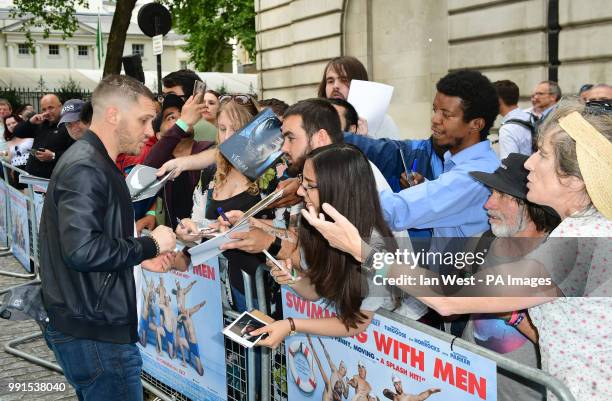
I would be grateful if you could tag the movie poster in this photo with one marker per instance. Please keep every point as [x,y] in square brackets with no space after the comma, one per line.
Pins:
[3,216]
[387,361]
[19,228]
[180,330]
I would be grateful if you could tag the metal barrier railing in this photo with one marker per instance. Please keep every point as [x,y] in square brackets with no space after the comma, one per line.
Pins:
[242,370]
[32,228]
[532,374]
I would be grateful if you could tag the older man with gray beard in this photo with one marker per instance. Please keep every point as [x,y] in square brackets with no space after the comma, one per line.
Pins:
[511,216]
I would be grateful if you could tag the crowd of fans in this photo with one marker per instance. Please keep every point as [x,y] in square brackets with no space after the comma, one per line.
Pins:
[348,194]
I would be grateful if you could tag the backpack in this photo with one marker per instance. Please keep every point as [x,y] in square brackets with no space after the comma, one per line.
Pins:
[531,125]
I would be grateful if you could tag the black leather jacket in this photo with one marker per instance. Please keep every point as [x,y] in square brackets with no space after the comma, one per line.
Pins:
[87,247]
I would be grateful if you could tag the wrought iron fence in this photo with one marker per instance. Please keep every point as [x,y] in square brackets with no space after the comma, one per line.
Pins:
[21,96]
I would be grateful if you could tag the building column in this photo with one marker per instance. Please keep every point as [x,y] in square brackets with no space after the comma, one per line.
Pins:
[10,54]
[37,56]
[71,49]
[94,58]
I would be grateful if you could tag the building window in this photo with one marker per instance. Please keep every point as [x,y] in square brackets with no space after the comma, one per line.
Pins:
[83,50]
[54,50]
[138,48]
[23,48]
[183,64]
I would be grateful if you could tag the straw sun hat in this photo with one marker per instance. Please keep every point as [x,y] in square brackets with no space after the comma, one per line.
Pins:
[594,153]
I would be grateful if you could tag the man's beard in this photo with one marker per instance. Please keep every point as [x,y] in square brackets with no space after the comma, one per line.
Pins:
[296,167]
[125,142]
[504,230]
[454,143]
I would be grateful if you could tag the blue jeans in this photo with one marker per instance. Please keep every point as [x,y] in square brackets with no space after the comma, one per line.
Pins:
[98,370]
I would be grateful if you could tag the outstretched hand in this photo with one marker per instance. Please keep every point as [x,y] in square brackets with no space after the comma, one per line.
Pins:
[276,331]
[159,264]
[340,233]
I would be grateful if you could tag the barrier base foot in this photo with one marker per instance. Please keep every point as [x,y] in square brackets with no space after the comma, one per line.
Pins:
[9,347]
[18,275]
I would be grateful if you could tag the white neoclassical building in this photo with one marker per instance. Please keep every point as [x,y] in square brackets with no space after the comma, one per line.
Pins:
[58,59]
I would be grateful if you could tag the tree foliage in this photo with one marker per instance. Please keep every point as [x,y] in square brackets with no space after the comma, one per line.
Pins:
[210,25]
[50,15]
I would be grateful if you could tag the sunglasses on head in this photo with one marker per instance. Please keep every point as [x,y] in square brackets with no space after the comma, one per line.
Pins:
[240,98]
[599,106]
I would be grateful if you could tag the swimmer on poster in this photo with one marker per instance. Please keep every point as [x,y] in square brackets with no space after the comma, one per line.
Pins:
[359,383]
[399,395]
[190,343]
[335,387]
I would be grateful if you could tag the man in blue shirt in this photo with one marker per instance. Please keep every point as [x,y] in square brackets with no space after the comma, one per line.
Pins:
[464,109]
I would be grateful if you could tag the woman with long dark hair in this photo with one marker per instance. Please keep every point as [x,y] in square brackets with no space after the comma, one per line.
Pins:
[340,175]
[18,149]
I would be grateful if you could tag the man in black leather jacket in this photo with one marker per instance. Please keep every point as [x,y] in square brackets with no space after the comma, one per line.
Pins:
[89,249]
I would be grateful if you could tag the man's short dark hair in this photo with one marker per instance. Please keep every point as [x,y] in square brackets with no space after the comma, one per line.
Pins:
[86,113]
[121,86]
[350,114]
[554,89]
[317,114]
[183,78]
[507,91]
[347,65]
[478,96]
[278,106]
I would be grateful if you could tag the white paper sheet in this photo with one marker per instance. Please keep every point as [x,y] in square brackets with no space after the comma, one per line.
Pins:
[371,100]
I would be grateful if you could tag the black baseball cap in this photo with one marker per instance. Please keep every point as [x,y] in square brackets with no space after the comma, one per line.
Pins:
[172,100]
[71,111]
[509,178]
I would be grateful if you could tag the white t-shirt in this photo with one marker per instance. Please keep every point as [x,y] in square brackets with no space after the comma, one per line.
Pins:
[576,333]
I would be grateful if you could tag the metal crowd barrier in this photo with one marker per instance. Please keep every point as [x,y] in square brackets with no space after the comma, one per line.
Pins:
[32,226]
[241,362]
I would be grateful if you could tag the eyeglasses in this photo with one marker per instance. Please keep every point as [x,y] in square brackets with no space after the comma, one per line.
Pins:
[306,187]
[240,98]
[540,94]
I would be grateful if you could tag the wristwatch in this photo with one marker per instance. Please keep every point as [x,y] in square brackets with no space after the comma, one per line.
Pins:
[275,247]
[52,155]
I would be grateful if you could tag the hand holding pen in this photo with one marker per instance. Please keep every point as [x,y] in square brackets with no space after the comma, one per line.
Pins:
[411,177]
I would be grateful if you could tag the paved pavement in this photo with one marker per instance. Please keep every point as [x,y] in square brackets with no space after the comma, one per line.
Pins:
[16,371]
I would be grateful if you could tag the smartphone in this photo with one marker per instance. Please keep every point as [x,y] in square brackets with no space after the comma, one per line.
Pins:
[199,87]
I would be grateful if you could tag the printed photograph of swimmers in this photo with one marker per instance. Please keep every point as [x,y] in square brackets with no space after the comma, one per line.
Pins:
[336,389]
[188,342]
[173,326]
[399,395]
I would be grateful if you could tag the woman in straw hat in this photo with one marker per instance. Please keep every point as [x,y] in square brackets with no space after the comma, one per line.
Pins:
[570,172]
